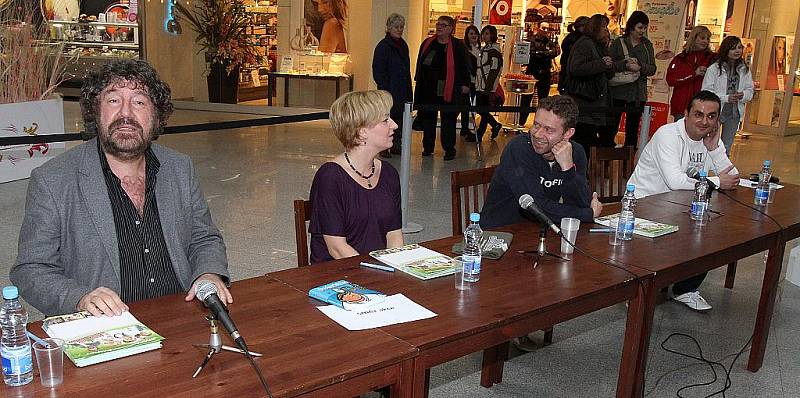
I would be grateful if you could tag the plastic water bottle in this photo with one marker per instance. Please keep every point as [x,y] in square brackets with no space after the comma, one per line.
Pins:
[762,189]
[15,347]
[626,217]
[473,236]
[700,201]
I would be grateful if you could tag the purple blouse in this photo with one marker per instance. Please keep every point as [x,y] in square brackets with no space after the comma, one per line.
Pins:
[342,207]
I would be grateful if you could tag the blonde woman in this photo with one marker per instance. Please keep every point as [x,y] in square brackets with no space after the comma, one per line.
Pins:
[355,198]
[687,69]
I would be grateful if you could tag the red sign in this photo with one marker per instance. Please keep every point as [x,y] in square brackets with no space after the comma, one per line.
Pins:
[500,12]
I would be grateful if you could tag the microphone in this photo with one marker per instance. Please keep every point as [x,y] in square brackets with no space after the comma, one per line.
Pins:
[526,202]
[207,293]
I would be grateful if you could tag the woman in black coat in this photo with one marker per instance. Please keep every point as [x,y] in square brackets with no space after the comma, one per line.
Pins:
[590,63]
[391,69]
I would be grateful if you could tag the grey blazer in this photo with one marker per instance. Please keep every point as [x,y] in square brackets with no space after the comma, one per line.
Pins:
[68,242]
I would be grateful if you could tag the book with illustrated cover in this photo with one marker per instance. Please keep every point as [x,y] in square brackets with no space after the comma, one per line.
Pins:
[346,295]
[642,227]
[90,340]
[416,260]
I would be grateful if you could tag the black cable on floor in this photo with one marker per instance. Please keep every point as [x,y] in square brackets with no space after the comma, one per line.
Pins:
[701,358]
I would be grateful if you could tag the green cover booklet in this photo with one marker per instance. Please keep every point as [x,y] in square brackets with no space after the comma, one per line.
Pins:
[90,340]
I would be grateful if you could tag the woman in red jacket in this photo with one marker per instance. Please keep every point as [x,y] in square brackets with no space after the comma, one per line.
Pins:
[686,71]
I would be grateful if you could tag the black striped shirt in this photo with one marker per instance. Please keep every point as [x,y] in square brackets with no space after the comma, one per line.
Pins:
[145,267]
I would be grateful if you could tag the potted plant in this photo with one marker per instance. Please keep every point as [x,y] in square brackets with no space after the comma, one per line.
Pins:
[221,33]
[30,71]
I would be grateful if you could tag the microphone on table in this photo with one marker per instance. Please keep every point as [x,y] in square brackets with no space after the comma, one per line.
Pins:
[526,202]
[207,293]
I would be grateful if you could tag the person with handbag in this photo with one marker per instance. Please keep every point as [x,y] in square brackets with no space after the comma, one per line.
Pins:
[490,67]
[729,77]
[589,68]
[634,61]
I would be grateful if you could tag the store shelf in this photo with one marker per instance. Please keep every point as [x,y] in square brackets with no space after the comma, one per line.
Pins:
[95,44]
[119,24]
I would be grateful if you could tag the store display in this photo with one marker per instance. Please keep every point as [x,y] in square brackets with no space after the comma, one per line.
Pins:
[94,40]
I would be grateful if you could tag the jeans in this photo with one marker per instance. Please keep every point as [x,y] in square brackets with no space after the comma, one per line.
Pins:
[486,117]
[688,285]
[729,129]
[447,131]
[632,118]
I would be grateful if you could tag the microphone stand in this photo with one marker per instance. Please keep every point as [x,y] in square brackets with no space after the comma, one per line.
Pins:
[215,346]
[541,250]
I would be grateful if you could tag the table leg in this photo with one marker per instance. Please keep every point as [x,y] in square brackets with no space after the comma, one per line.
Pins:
[286,91]
[492,367]
[338,87]
[405,386]
[637,340]
[730,276]
[270,88]
[766,305]
[421,379]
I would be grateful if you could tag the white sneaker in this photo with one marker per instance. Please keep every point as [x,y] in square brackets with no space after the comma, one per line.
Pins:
[525,344]
[694,301]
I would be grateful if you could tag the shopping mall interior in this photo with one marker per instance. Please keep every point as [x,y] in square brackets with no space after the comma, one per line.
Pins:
[250,176]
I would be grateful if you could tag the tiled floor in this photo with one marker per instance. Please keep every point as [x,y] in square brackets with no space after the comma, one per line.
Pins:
[250,177]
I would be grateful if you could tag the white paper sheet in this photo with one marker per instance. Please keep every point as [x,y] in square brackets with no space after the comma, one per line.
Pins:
[395,309]
[749,184]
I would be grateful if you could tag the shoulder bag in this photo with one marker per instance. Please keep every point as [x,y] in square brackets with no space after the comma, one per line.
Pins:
[623,77]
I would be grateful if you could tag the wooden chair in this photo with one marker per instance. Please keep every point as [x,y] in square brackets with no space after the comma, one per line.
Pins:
[609,170]
[302,213]
[468,190]
[471,186]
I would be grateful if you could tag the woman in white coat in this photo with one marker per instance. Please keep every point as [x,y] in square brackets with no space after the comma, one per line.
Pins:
[729,77]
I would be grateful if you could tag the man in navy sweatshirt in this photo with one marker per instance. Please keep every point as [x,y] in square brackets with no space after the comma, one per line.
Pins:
[546,165]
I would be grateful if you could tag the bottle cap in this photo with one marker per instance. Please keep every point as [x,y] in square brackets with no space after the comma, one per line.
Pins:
[10,292]
[475,217]
[767,162]
[703,173]
[631,187]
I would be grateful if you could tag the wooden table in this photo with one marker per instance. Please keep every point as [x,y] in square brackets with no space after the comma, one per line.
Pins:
[786,211]
[305,353]
[510,300]
[734,234]
[273,77]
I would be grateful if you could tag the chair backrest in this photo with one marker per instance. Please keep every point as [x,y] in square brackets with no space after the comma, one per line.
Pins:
[473,185]
[302,213]
[609,171]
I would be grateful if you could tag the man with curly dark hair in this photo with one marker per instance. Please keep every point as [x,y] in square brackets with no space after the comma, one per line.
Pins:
[118,218]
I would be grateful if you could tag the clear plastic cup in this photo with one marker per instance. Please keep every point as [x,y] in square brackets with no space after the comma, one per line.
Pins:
[50,360]
[612,235]
[569,228]
[772,189]
[458,265]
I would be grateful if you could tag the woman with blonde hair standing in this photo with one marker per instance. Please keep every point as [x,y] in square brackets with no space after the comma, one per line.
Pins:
[729,77]
[355,198]
[687,69]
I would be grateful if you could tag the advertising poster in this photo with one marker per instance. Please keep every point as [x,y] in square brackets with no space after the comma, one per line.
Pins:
[327,20]
[500,12]
[777,63]
[666,32]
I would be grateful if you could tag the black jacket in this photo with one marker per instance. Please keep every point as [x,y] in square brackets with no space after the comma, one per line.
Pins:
[391,69]
[522,171]
[427,84]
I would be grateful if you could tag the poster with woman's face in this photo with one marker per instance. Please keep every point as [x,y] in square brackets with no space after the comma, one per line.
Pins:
[328,19]
[778,58]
